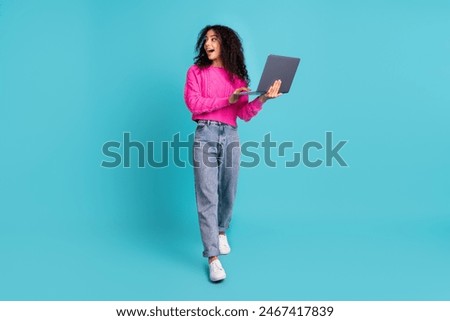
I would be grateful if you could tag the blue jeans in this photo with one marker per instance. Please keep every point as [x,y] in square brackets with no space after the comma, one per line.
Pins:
[216,166]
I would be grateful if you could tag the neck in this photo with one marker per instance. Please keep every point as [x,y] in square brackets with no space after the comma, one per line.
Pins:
[217,63]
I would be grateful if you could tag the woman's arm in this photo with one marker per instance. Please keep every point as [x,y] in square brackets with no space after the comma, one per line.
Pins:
[249,110]
[193,97]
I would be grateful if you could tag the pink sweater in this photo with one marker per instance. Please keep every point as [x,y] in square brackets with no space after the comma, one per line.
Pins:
[206,95]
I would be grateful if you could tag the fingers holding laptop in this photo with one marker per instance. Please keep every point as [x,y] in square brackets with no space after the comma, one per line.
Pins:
[273,92]
[235,95]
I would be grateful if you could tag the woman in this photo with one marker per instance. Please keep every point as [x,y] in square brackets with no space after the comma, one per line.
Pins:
[212,94]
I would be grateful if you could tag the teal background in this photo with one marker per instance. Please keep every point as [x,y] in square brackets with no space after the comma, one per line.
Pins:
[77,74]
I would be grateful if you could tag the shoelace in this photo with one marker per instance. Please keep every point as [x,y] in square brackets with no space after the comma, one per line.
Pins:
[224,240]
[216,266]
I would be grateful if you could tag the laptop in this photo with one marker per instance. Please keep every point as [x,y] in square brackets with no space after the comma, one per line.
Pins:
[277,67]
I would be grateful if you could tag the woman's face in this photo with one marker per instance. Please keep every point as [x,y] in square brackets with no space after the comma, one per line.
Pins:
[212,48]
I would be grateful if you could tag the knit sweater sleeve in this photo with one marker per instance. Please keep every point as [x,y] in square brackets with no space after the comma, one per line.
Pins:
[248,110]
[195,98]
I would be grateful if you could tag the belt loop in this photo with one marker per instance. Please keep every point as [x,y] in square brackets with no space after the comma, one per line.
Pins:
[208,122]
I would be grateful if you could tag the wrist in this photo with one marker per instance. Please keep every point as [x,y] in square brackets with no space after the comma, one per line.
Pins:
[262,98]
[233,98]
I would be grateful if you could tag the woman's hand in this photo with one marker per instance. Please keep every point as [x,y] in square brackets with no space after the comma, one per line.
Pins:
[235,95]
[273,92]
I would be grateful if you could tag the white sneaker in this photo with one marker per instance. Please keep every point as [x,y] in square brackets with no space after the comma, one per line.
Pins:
[224,247]
[216,271]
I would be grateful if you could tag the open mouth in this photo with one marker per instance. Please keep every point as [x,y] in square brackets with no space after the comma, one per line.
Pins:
[210,51]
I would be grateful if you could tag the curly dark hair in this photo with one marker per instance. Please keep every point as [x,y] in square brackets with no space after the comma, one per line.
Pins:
[232,52]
